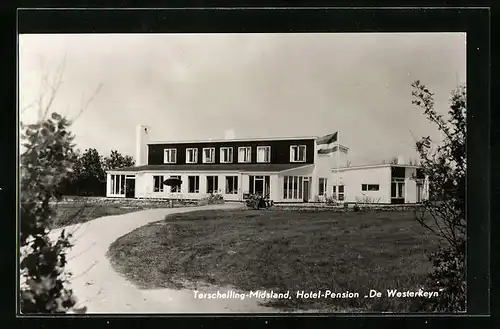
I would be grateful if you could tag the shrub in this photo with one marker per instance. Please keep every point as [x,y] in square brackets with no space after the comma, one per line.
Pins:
[443,213]
[366,199]
[331,200]
[258,202]
[448,277]
[46,162]
[214,198]
[356,208]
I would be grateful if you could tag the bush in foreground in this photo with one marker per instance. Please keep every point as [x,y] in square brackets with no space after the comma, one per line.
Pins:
[46,162]
[445,167]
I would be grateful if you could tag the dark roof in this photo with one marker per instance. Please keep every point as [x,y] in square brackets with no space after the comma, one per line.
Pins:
[261,167]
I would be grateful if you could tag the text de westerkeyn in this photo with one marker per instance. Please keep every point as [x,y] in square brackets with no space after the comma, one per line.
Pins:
[302,294]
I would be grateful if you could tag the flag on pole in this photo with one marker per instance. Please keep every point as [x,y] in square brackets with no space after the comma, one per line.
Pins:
[328,139]
[328,144]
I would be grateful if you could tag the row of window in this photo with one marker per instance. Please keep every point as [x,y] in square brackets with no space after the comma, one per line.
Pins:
[397,188]
[297,154]
[323,183]
[212,185]
[117,185]
[296,187]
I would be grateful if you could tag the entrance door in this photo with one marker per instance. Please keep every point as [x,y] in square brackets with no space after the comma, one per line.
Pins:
[398,191]
[130,188]
[306,191]
[259,186]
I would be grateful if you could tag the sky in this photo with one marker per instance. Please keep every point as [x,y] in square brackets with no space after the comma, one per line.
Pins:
[208,86]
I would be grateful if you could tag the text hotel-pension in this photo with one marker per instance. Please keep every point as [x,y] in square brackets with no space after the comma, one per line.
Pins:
[295,169]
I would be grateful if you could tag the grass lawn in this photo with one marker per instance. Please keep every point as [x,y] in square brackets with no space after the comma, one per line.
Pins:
[284,250]
[80,212]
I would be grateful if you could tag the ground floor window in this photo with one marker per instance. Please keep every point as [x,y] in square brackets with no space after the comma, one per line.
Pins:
[117,185]
[420,191]
[193,184]
[231,184]
[212,184]
[296,187]
[340,193]
[177,188]
[158,183]
[322,186]
[398,189]
[259,185]
[370,187]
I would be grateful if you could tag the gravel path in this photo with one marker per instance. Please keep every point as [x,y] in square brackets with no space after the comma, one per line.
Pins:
[102,290]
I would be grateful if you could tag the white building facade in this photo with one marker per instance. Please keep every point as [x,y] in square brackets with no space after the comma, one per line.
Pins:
[288,170]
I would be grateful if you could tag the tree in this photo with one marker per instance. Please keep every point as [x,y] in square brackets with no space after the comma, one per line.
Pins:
[116,160]
[89,176]
[444,212]
[47,160]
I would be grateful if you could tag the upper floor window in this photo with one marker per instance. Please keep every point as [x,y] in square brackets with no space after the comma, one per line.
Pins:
[209,155]
[191,155]
[226,155]
[170,156]
[263,153]
[245,154]
[297,153]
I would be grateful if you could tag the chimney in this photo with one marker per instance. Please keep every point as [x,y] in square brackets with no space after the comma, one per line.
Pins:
[141,148]
[401,160]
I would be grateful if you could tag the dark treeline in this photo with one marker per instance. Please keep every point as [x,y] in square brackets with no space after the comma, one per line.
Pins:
[88,177]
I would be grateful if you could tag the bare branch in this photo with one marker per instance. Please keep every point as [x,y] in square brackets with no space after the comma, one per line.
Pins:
[27,107]
[54,86]
[86,104]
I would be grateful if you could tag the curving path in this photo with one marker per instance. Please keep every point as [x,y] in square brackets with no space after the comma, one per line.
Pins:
[102,290]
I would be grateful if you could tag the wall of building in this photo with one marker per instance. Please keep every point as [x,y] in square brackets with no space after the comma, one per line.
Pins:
[141,149]
[323,169]
[352,180]
[280,150]
[145,185]
[411,185]
[275,193]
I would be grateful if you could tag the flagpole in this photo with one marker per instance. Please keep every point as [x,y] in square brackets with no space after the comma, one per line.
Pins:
[338,171]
